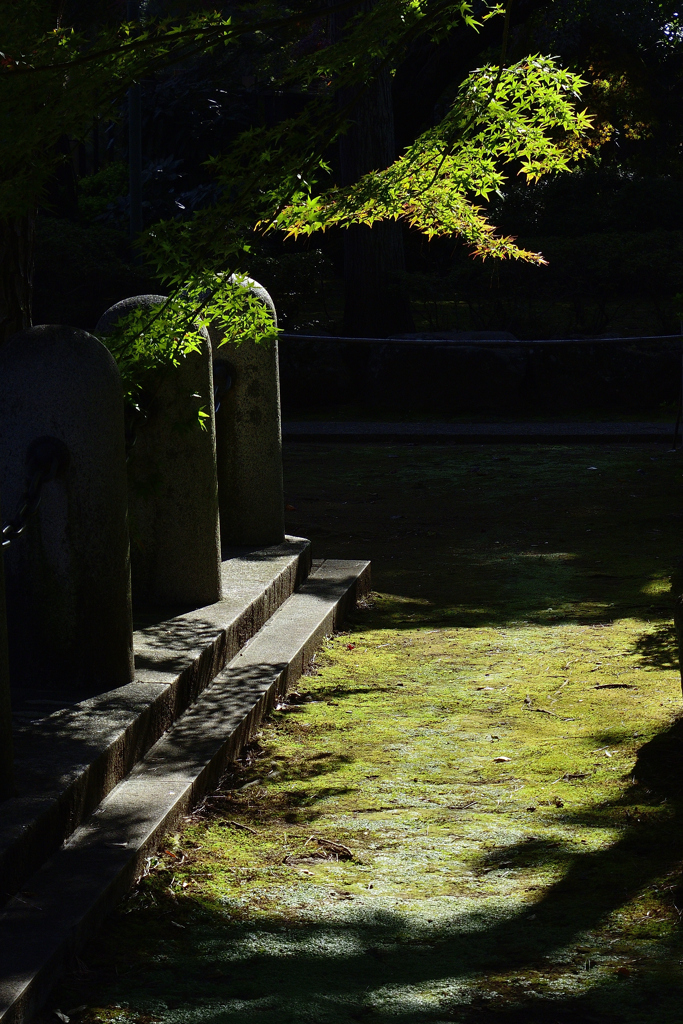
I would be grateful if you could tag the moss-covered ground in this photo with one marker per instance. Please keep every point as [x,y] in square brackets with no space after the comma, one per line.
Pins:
[471,810]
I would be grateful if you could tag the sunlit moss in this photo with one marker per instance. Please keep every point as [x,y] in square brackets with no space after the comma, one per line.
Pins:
[497,744]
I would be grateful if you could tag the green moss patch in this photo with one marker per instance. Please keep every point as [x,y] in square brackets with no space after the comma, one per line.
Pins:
[470,808]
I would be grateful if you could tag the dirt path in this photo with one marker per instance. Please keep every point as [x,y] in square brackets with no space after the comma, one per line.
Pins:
[471,810]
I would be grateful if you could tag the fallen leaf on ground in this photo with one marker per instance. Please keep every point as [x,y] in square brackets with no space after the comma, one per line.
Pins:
[341,851]
[614,686]
[245,828]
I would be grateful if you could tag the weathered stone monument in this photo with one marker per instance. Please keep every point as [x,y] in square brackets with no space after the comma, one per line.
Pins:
[172,485]
[249,436]
[63,485]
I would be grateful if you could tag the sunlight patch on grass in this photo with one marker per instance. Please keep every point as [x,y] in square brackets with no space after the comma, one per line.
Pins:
[493,750]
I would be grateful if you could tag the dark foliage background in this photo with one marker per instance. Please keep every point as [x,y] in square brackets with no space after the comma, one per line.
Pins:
[612,231]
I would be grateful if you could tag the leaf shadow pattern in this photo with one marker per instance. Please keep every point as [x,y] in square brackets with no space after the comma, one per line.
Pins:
[314,767]
[659,648]
[517,965]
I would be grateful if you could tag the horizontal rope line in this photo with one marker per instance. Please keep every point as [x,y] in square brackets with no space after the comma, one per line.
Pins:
[476,341]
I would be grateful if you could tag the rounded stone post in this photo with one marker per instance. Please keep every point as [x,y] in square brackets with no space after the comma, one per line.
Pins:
[67,574]
[172,484]
[6,752]
[249,437]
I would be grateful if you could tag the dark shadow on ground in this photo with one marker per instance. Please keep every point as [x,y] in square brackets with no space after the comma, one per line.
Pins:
[659,649]
[216,969]
[489,534]
[549,540]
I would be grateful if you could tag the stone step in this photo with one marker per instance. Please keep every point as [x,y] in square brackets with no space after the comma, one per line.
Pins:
[66,762]
[69,896]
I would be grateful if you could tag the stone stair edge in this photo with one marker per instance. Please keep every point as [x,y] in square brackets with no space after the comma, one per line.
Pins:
[86,749]
[75,889]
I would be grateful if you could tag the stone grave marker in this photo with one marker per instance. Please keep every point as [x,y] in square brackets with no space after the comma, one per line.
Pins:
[172,484]
[249,437]
[67,571]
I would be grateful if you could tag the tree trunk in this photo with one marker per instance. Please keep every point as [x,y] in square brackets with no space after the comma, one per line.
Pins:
[16,280]
[6,755]
[16,274]
[677,594]
[375,300]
